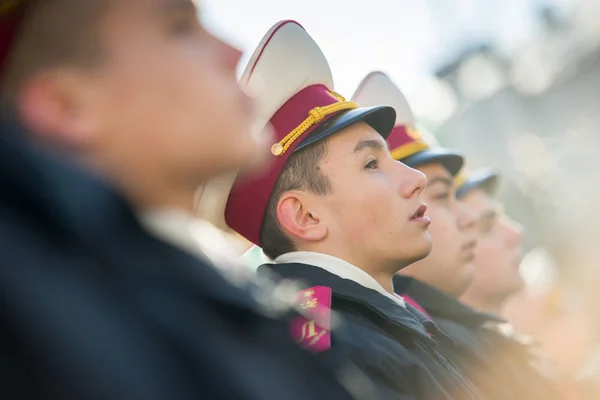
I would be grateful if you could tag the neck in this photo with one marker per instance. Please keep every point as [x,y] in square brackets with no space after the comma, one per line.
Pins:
[430,274]
[385,279]
[489,305]
[150,191]
[145,184]
[419,271]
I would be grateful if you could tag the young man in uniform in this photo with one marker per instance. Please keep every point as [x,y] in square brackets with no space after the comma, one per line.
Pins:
[139,94]
[435,284]
[498,252]
[449,266]
[335,210]
[496,275]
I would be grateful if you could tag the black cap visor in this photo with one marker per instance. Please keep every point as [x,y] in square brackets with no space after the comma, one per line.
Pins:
[486,180]
[380,118]
[451,160]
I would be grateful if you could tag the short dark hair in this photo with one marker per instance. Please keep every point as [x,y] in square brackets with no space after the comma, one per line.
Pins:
[301,172]
[53,33]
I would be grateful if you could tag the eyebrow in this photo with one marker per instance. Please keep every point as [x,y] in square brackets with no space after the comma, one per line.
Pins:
[488,215]
[443,180]
[370,144]
[180,5]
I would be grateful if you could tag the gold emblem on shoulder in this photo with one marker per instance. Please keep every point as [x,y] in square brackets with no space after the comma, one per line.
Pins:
[312,332]
[312,303]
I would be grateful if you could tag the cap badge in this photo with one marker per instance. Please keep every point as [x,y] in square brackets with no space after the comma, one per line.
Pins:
[413,133]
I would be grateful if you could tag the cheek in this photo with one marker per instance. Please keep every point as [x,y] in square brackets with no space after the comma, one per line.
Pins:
[134,87]
[360,210]
[489,261]
[167,96]
[443,228]
[486,249]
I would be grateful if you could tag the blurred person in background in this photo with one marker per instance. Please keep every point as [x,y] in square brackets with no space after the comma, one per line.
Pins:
[336,211]
[539,308]
[114,111]
[436,283]
[498,255]
[498,252]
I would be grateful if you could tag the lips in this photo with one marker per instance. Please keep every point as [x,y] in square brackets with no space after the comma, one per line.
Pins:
[420,217]
[468,250]
[470,245]
[420,213]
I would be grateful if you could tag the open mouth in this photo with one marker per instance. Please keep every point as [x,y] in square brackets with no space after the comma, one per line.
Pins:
[420,213]
[468,250]
[470,245]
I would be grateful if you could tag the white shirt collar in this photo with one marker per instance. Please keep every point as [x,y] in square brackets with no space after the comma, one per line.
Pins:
[338,267]
[254,257]
[199,238]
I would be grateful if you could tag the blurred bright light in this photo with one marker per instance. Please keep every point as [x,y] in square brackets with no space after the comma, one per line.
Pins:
[538,269]
[532,73]
[586,23]
[435,101]
[531,156]
[480,77]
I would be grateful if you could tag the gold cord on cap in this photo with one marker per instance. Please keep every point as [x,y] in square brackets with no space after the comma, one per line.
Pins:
[408,149]
[315,116]
[413,133]
[460,179]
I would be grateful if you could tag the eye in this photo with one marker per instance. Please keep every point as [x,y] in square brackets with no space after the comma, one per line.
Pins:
[487,225]
[184,23]
[372,164]
[442,196]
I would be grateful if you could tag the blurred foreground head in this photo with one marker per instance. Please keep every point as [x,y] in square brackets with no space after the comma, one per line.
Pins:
[136,89]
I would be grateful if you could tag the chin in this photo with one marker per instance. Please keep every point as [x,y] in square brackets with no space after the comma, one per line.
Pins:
[426,245]
[419,250]
[517,286]
[462,287]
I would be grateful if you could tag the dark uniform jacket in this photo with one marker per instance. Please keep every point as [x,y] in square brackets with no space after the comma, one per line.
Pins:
[500,366]
[387,341]
[95,308]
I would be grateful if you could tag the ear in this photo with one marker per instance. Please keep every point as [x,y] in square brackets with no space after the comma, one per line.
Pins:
[54,105]
[300,220]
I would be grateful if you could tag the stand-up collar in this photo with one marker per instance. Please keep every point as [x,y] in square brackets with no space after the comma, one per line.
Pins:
[338,267]
[438,304]
[348,293]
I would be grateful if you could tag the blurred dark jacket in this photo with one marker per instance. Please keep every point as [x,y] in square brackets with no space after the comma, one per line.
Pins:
[498,364]
[93,307]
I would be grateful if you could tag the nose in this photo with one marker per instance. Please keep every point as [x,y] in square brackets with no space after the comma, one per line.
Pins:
[412,181]
[466,219]
[514,231]
[229,55]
